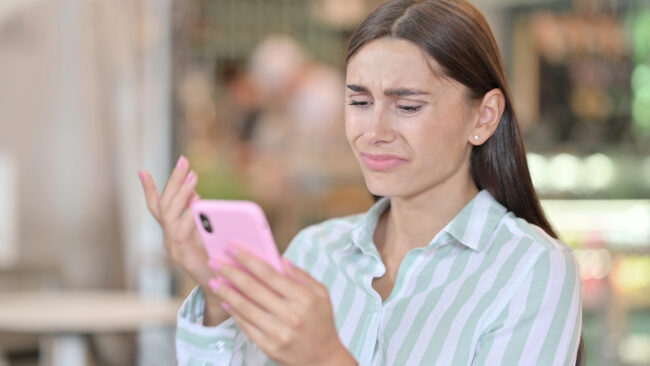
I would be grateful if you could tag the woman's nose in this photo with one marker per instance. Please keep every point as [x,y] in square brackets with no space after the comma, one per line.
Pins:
[379,128]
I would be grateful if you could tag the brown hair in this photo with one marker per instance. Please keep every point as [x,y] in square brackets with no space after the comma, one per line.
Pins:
[458,37]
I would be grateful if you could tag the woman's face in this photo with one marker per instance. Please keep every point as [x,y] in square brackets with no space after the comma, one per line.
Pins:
[409,128]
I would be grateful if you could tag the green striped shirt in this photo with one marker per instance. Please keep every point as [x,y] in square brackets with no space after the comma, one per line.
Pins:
[489,289]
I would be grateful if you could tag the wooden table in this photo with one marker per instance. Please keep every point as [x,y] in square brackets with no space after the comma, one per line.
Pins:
[64,319]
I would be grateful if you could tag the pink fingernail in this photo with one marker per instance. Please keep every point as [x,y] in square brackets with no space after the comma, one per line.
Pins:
[225,305]
[232,250]
[181,162]
[215,265]
[214,284]
[190,177]
[288,262]
[141,175]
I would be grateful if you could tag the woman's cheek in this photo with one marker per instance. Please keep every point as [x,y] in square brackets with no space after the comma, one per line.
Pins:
[353,127]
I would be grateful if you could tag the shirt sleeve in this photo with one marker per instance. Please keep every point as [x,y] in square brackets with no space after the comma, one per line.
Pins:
[542,323]
[197,344]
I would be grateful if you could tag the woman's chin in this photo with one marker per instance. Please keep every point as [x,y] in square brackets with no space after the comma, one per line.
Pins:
[383,189]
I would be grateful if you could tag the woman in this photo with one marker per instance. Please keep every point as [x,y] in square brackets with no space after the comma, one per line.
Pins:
[455,265]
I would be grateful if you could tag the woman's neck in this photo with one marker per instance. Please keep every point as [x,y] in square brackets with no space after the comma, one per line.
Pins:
[412,222]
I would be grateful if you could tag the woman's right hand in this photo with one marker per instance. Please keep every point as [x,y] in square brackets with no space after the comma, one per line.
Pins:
[182,240]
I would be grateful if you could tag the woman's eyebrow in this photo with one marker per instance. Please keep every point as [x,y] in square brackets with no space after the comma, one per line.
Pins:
[357,88]
[398,92]
[402,92]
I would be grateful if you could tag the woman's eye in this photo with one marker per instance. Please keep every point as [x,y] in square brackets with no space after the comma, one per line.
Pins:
[409,108]
[359,103]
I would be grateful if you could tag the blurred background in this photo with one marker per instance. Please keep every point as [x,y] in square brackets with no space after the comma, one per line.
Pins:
[251,91]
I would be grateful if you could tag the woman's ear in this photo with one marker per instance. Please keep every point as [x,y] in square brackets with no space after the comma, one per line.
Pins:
[489,114]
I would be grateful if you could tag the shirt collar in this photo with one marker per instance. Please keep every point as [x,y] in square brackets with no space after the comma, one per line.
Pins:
[475,223]
[362,234]
[471,227]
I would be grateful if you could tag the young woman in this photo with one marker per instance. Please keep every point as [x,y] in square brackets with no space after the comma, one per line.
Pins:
[455,265]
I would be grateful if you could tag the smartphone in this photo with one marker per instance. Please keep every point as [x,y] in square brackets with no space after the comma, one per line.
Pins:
[223,223]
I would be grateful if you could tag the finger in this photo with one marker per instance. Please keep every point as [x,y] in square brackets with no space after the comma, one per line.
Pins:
[254,289]
[186,225]
[175,181]
[196,237]
[177,204]
[252,331]
[150,193]
[193,196]
[300,275]
[267,274]
[246,308]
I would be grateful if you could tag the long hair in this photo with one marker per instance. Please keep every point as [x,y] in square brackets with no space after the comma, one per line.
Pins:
[458,37]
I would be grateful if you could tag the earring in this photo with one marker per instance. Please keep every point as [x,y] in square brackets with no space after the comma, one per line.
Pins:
[476,137]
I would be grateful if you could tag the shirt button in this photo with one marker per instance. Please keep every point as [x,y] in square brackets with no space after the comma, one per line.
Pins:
[218,345]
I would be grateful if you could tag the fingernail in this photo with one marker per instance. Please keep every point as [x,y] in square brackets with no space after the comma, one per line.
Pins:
[197,198]
[181,162]
[232,250]
[141,175]
[225,306]
[214,284]
[190,177]
[288,262]
[215,265]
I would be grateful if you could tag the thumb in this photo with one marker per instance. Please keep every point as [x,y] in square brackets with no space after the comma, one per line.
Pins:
[151,194]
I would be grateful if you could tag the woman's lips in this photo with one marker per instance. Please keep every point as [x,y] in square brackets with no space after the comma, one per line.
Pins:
[381,162]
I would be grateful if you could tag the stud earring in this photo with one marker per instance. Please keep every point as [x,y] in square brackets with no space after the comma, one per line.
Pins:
[476,137]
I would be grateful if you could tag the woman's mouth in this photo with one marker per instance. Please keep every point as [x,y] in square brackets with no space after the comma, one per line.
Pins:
[381,162]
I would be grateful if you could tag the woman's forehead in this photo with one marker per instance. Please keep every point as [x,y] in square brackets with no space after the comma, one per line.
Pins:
[392,60]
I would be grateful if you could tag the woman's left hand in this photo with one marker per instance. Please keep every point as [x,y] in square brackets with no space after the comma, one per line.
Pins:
[289,316]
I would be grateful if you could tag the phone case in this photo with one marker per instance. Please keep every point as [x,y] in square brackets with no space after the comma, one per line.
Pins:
[239,223]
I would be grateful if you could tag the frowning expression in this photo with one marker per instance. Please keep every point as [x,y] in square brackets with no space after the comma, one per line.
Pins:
[406,123]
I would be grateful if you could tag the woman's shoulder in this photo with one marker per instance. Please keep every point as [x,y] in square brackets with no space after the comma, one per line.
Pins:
[539,259]
[532,233]
[539,244]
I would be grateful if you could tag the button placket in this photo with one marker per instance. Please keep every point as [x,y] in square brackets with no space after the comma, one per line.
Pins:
[218,346]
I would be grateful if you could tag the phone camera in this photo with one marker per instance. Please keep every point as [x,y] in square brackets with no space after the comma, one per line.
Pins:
[206,223]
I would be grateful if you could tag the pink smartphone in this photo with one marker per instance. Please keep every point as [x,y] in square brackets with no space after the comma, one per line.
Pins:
[222,223]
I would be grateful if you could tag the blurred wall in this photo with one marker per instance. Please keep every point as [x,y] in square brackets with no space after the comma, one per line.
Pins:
[83,104]
[54,125]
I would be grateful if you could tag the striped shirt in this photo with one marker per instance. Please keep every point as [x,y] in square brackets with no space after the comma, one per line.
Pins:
[489,289]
